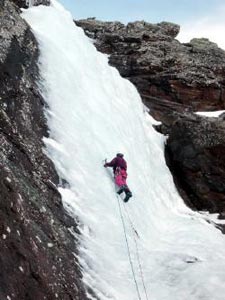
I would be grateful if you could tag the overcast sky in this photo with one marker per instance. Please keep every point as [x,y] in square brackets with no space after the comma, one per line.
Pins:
[198,18]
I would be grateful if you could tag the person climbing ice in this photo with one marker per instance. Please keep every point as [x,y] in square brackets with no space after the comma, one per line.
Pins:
[119,166]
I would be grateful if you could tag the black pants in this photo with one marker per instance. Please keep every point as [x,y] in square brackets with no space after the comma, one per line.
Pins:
[125,189]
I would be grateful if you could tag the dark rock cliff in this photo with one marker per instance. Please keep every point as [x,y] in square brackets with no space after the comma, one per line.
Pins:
[26,3]
[37,247]
[196,148]
[168,75]
[174,80]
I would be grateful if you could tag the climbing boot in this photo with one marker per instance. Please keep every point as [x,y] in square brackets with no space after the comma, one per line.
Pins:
[121,190]
[128,196]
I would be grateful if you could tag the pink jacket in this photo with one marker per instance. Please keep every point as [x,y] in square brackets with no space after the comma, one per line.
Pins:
[120,177]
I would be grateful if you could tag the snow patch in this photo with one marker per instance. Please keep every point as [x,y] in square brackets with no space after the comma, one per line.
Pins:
[211,114]
[21,269]
[8,179]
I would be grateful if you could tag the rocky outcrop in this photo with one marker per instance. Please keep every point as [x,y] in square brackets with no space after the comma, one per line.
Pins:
[168,75]
[27,3]
[195,154]
[37,238]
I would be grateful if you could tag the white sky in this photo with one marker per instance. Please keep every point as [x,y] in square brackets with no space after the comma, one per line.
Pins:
[211,26]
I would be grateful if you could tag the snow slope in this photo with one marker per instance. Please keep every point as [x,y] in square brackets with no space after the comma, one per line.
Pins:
[212,114]
[94,113]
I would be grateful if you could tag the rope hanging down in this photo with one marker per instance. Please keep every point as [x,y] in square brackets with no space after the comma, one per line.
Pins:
[135,235]
[128,249]
[131,223]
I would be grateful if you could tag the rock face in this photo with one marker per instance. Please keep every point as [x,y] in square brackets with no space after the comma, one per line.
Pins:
[37,244]
[27,3]
[195,153]
[174,80]
[168,75]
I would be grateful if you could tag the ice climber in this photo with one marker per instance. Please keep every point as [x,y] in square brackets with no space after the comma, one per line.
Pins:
[119,166]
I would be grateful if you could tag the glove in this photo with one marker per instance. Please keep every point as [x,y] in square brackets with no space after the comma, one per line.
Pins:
[105,165]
